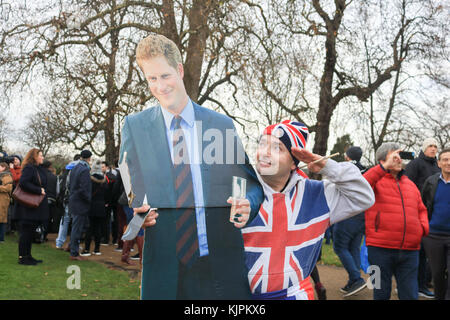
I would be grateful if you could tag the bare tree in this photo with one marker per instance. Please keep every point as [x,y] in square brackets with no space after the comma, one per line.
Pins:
[85,49]
[321,63]
[39,132]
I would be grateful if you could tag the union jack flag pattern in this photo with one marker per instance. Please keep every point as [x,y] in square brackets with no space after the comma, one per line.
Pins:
[282,243]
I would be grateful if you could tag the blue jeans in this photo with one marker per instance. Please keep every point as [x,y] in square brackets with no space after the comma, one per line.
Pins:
[78,225]
[347,237]
[63,228]
[403,265]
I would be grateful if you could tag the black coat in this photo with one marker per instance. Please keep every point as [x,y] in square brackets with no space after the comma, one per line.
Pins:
[99,188]
[29,181]
[429,191]
[51,185]
[80,189]
[419,169]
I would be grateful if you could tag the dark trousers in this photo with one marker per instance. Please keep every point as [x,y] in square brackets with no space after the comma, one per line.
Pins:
[437,248]
[78,224]
[122,223]
[403,265]
[111,225]
[94,231]
[424,273]
[347,237]
[27,229]
[196,282]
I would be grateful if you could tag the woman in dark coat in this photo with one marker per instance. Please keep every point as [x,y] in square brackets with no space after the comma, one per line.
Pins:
[33,180]
[97,212]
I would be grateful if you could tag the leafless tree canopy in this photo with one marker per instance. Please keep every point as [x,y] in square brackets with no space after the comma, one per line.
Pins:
[256,61]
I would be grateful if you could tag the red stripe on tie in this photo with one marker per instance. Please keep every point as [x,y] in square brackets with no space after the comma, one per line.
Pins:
[183,174]
[190,252]
[182,219]
[182,241]
[184,196]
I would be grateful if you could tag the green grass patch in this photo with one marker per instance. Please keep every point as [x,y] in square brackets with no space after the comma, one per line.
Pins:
[328,255]
[49,280]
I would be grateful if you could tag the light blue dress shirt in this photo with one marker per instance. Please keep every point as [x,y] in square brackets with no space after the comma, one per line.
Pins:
[189,127]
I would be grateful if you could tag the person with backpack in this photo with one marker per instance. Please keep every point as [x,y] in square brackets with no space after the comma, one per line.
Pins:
[63,199]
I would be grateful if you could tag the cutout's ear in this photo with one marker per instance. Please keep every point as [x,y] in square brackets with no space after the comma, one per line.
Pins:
[180,70]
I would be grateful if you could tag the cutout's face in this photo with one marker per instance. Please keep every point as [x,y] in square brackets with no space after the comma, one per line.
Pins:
[165,83]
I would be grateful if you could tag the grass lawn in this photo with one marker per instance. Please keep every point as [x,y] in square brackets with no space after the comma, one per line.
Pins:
[328,255]
[48,280]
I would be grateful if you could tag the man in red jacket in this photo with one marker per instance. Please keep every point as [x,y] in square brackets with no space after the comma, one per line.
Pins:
[395,225]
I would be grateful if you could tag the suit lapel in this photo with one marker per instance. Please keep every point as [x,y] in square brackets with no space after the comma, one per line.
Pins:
[158,154]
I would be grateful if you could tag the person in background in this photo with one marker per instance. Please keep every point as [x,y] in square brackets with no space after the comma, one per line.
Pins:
[347,237]
[16,168]
[418,170]
[117,191]
[6,186]
[51,225]
[63,198]
[33,180]
[80,195]
[110,225]
[436,197]
[395,225]
[97,213]
[128,244]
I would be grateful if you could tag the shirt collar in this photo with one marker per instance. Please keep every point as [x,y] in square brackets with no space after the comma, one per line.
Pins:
[187,115]
[442,178]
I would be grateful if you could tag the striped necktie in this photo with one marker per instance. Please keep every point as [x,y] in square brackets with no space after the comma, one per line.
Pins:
[186,225]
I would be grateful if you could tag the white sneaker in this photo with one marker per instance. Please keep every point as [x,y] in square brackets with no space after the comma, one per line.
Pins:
[85,254]
[97,253]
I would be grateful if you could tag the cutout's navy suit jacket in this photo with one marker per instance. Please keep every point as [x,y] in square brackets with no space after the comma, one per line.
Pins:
[150,165]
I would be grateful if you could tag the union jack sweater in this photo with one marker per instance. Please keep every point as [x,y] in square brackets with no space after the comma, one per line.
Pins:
[282,243]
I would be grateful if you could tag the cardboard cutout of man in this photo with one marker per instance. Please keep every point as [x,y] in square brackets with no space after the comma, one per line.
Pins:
[181,158]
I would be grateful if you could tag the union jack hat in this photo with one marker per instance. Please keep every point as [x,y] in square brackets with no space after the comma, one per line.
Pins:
[291,133]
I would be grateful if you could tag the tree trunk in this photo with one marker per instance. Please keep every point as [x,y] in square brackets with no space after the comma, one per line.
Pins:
[198,18]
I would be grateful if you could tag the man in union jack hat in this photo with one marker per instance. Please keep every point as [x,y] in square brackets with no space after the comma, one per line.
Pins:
[282,243]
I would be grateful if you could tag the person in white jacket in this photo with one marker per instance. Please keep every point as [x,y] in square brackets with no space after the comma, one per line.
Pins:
[283,241]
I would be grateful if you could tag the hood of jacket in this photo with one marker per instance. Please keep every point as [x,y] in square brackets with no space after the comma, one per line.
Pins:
[425,158]
[97,178]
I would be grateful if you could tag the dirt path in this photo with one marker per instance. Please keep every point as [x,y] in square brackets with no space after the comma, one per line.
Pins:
[332,277]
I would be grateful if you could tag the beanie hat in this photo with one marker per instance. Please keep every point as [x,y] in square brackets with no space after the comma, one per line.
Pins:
[96,167]
[354,153]
[291,133]
[86,154]
[429,142]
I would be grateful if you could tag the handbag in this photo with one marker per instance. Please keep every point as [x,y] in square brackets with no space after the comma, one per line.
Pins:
[27,199]
[364,256]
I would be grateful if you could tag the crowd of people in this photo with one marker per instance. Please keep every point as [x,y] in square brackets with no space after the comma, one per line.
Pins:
[407,230]
[82,204]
